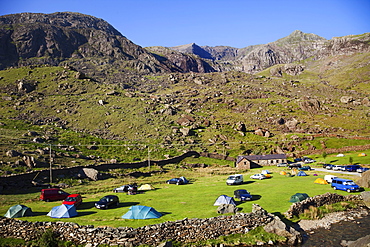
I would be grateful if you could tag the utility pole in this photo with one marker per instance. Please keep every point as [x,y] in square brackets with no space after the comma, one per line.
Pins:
[148,157]
[50,163]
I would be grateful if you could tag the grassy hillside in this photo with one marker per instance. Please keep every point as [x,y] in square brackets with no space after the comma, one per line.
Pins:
[168,114]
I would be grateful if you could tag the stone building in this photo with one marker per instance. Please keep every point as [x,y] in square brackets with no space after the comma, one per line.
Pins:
[254,161]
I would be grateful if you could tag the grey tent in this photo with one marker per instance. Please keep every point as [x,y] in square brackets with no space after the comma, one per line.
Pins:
[224,200]
[18,211]
[298,197]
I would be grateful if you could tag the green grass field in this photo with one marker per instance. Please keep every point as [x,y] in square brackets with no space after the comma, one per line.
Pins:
[176,202]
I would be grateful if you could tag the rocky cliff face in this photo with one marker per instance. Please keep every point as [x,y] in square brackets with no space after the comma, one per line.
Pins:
[93,44]
[295,47]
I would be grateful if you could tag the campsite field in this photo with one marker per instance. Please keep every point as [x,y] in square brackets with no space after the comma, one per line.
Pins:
[175,202]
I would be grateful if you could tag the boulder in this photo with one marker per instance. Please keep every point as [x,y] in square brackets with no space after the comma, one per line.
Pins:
[364,181]
[13,153]
[227,208]
[278,227]
[88,173]
[366,198]
[346,99]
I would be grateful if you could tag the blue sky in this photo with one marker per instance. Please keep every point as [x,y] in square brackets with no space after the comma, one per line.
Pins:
[236,23]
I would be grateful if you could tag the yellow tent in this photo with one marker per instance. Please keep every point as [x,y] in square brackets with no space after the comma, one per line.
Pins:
[146,187]
[361,154]
[282,173]
[320,181]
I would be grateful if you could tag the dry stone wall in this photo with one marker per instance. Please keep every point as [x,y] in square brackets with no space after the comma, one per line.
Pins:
[317,201]
[186,230]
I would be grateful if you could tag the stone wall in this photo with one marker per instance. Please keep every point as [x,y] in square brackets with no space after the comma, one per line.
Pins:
[24,180]
[317,201]
[186,230]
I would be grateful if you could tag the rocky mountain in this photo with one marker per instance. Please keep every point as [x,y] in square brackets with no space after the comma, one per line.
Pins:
[295,47]
[81,40]
[75,82]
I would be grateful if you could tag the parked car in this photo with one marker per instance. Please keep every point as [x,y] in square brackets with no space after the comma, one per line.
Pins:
[344,184]
[362,169]
[282,164]
[328,166]
[308,160]
[53,194]
[234,179]
[294,165]
[339,168]
[125,188]
[352,168]
[107,202]
[305,168]
[329,178]
[259,176]
[73,199]
[178,181]
[242,195]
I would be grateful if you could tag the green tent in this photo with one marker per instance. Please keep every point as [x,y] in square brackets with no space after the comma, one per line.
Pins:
[298,197]
[18,211]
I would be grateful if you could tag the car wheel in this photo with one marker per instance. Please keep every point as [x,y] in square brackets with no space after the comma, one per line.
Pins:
[348,190]
[47,200]
[107,207]
[334,188]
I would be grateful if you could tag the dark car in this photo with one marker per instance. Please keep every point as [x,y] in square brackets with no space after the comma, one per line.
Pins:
[107,202]
[294,165]
[352,168]
[305,168]
[178,181]
[242,194]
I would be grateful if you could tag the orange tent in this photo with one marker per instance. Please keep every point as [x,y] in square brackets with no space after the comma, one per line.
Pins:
[320,181]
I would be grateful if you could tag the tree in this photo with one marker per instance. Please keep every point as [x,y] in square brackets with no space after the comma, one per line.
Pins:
[324,154]
[350,159]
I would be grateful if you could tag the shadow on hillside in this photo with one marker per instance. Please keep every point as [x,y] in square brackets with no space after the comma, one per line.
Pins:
[39,213]
[164,213]
[127,204]
[86,205]
[15,191]
[85,213]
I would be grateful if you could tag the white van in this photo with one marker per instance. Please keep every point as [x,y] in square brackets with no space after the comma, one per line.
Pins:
[234,179]
[329,178]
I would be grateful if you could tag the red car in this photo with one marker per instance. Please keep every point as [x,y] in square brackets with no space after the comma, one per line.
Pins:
[74,199]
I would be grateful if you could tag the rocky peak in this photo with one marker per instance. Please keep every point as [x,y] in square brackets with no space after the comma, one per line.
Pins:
[60,19]
[193,49]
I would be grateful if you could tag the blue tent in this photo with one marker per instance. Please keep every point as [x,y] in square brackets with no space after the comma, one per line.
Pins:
[224,200]
[141,212]
[63,211]
[301,173]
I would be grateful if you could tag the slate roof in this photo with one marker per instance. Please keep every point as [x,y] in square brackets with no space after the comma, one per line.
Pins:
[261,157]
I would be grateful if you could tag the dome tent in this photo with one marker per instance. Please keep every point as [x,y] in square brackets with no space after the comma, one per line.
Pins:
[146,187]
[18,211]
[320,181]
[298,197]
[63,211]
[301,173]
[222,199]
[141,212]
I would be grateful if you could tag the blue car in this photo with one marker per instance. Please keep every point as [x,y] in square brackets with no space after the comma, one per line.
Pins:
[243,195]
[344,184]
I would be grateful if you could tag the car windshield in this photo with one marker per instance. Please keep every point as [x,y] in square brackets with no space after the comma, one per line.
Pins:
[71,199]
[104,199]
[349,183]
